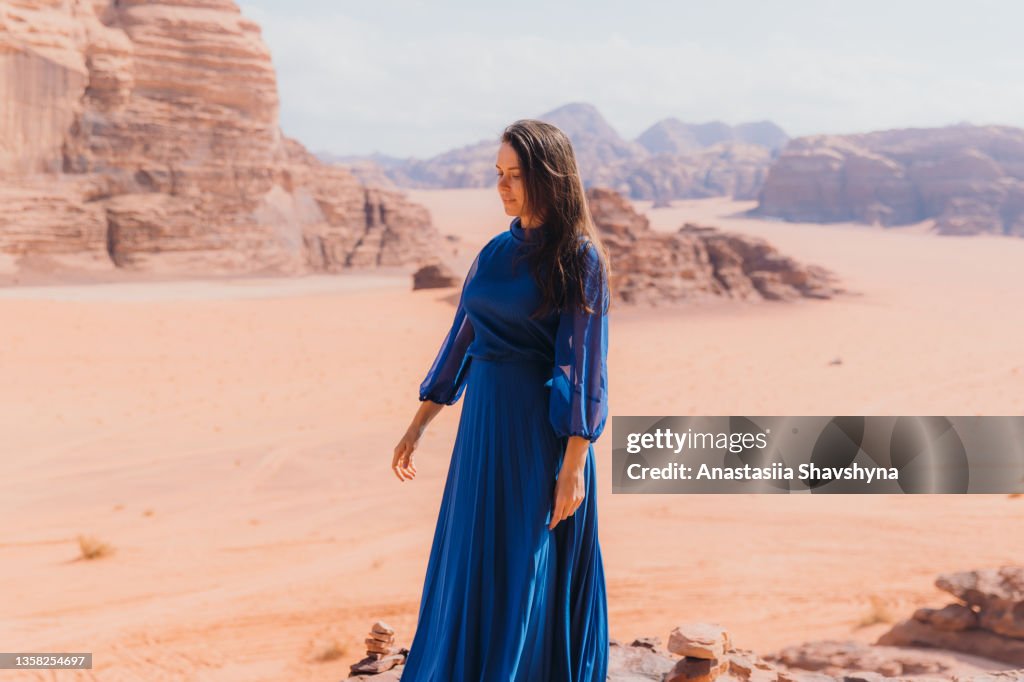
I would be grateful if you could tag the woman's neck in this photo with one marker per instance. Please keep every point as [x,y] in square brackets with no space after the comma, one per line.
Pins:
[529,222]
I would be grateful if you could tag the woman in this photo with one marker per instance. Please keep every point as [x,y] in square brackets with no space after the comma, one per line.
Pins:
[514,589]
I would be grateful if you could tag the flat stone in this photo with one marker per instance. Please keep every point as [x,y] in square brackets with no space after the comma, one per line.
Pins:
[699,640]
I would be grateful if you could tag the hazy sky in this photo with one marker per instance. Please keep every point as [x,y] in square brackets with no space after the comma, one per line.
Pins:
[412,78]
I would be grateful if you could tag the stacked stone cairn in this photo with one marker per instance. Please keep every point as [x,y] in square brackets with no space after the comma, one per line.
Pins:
[381,653]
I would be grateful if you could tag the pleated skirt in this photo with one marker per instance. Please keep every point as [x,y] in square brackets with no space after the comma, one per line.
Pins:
[504,598]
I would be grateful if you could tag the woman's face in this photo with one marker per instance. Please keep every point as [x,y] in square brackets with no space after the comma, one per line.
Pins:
[510,181]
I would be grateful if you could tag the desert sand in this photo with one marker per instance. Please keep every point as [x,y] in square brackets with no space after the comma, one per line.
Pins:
[231,441]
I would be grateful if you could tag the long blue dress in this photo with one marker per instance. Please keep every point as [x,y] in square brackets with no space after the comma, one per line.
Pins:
[504,598]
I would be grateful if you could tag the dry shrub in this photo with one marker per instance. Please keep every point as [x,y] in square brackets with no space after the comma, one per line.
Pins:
[91,547]
[878,612]
[329,650]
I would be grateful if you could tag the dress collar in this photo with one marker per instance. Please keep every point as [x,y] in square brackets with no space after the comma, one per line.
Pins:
[524,234]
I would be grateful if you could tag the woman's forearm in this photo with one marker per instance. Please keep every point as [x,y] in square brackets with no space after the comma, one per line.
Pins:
[427,411]
[576,452]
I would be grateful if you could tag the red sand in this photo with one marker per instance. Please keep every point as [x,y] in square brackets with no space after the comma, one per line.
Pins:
[232,442]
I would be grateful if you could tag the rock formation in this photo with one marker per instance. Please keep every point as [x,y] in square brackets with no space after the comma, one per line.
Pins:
[704,648]
[703,652]
[989,602]
[144,134]
[671,160]
[729,169]
[695,263]
[434,276]
[970,179]
[987,620]
[837,658]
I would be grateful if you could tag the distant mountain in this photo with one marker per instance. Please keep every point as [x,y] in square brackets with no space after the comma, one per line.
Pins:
[764,133]
[382,160]
[594,141]
[672,136]
[969,178]
[708,160]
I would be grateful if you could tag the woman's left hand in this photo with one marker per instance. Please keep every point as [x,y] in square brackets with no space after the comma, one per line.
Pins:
[570,489]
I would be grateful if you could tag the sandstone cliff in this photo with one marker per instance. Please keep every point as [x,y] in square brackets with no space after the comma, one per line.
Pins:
[145,135]
[970,179]
[696,263]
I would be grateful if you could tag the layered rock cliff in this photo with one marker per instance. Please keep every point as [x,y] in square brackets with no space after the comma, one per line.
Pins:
[970,179]
[696,263]
[145,134]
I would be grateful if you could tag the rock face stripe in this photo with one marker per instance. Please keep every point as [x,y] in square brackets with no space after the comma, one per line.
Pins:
[145,135]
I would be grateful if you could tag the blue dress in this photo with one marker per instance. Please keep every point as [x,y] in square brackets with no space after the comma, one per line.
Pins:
[504,598]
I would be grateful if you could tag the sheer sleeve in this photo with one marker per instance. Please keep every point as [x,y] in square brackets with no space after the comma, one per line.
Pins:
[446,378]
[579,385]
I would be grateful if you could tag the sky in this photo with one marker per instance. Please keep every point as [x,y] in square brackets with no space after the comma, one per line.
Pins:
[410,78]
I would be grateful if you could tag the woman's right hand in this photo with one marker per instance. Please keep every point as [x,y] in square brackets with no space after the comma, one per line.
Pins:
[402,463]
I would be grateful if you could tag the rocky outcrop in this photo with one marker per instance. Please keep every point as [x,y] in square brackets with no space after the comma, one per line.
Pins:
[696,263]
[970,179]
[434,276]
[989,606]
[988,619]
[643,659]
[703,652]
[730,169]
[837,658]
[144,135]
[671,160]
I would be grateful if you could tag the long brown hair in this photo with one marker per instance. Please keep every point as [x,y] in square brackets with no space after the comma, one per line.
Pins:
[554,194]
